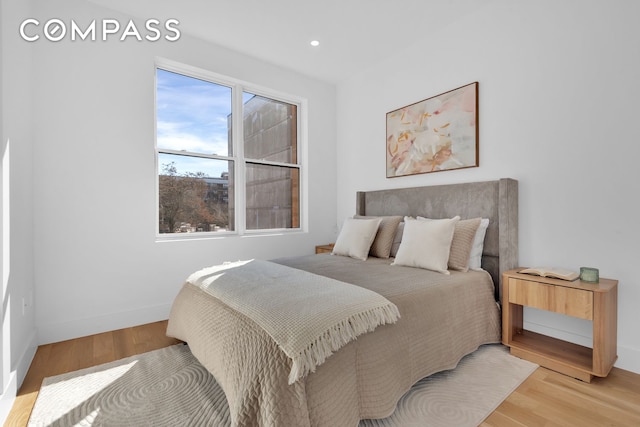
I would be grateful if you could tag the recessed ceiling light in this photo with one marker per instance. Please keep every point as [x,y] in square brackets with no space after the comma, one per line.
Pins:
[315,43]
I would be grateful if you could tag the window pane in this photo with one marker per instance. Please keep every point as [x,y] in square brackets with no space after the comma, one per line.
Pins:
[273,197]
[196,194]
[270,129]
[193,115]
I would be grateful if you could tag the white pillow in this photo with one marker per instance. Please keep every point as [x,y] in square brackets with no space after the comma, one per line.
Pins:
[426,244]
[475,258]
[356,237]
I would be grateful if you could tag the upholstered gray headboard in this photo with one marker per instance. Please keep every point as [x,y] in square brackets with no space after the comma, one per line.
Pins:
[496,200]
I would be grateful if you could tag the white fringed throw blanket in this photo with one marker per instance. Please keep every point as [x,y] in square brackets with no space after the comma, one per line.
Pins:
[307,315]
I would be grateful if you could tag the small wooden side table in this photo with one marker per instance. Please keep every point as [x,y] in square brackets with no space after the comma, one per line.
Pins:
[323,249]
[597,302]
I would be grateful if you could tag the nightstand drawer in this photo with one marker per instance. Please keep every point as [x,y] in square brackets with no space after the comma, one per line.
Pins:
[569,301]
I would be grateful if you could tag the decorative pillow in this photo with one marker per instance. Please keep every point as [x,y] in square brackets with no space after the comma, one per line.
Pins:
[356,237]
[396,240]
[463,236]
[381,246]
[426,244]
[461,244]
[475,258]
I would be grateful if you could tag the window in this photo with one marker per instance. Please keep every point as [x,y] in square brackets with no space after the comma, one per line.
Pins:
[217,174]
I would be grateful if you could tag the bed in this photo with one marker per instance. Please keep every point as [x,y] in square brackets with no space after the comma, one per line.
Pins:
[442,318]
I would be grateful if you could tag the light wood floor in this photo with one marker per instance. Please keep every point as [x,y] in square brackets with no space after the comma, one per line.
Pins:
[67,356]
[546,398]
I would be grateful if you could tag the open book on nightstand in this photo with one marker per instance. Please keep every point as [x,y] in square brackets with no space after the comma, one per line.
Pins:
[553,272]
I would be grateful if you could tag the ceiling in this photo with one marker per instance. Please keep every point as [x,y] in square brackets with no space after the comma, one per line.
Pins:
[353,34]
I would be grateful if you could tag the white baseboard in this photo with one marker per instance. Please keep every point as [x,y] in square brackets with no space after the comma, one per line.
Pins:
[61,331]
[16,377]
[628,357]
[7,397]
[27,357]
[561,334]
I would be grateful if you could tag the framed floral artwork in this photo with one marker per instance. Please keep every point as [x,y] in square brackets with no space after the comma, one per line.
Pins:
[437,134]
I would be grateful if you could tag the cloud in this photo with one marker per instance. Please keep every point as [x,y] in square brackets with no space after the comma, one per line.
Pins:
[184,137]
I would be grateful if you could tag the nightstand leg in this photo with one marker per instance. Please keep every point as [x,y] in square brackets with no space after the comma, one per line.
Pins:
[605,339]
[511,316]
[512,322]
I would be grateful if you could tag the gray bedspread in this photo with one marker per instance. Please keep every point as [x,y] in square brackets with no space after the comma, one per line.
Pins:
[443,318]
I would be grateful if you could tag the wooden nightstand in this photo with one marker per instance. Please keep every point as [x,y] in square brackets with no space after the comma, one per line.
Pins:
[324,249]
[597,302]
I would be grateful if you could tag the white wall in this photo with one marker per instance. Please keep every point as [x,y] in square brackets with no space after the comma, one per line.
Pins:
[98,266]
[558,93]
[18,335]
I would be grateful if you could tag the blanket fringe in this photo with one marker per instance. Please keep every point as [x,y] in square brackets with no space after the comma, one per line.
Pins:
[339,335]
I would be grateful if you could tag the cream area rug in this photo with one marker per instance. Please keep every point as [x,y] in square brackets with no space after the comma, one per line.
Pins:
[168,387]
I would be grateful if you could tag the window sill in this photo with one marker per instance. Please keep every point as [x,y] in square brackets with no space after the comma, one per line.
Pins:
[184,237]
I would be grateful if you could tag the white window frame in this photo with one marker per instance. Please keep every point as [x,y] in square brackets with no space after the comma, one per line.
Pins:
[237,89]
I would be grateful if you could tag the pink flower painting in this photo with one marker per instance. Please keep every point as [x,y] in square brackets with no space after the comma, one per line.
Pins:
[436,134]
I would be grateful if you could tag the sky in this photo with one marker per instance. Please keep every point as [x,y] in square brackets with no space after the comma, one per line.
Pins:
[191,115]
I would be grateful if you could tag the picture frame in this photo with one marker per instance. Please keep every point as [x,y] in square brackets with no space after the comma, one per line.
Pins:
[436,134]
